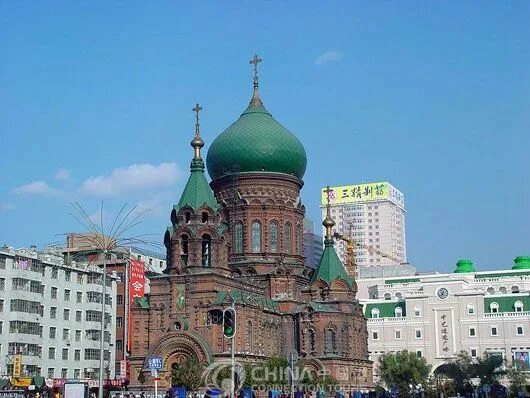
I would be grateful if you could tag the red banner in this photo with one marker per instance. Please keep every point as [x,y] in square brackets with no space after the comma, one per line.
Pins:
[136,289]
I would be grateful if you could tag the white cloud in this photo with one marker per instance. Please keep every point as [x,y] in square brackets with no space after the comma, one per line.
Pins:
[62,175]
[6,206]
[154,207]
[328,56]
[134,178]
[35,188]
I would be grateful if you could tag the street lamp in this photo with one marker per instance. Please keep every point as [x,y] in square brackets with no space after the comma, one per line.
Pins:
[99,241]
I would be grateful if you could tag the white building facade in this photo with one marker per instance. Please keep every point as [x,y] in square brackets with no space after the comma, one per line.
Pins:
[438,315]
[373,214]
[50,314]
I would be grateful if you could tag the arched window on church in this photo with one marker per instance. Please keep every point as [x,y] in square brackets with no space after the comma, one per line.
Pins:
[184,250]
[287,237]
[238,237]
[273,236]
[256,237]
[248,336]
[206,250]
[297,239]
[311,341]
[331,343]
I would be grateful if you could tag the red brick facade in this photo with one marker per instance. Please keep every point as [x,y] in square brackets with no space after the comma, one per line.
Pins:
[249,251]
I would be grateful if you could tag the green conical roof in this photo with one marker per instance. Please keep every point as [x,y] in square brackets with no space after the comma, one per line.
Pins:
[197,192]
[330,267]
[522,262]
[464,266]
[256,142]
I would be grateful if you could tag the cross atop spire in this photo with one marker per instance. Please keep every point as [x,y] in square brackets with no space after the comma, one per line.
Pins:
[255,61]
[197,109]
[255,101]
[328,222]
[197,143]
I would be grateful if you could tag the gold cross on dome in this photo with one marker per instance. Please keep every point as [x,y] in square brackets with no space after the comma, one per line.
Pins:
[328,191]
[255,61]
[197,109]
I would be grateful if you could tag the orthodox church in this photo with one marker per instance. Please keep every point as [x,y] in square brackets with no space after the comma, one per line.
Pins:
[238,241]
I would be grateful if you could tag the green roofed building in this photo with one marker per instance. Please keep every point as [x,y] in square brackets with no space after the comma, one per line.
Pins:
[437,315]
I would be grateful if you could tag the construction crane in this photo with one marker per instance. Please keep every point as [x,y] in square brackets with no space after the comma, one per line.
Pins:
[351,245]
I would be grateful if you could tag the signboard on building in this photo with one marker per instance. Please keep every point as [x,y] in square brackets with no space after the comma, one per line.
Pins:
[123,369]
[445,344]
[362,193]
[17,365]
[136,289]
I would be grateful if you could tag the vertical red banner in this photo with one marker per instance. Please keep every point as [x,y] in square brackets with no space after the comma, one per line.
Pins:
[136,289]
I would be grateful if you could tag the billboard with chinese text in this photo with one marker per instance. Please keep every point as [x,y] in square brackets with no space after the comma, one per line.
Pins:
[372,191]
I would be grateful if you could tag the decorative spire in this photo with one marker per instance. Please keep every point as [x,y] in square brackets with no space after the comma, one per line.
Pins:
[328,222]
[255,101]
[197,143]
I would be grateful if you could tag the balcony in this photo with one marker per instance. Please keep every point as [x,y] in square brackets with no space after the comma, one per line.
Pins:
[386,320]
[514,314]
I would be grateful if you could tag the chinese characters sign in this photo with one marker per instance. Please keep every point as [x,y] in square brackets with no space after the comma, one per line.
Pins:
[444,333]
[17,365]
[136,288]
[356,193]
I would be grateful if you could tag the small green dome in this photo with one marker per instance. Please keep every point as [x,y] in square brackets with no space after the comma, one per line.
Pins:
[521,262]
[256,142]
[464,266]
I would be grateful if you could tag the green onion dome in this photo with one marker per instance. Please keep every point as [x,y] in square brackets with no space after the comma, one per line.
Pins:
[256,142]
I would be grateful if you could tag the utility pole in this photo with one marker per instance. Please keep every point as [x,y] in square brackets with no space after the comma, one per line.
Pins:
[102,337]
[232,358]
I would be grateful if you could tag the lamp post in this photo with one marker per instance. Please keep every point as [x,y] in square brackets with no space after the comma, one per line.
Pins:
[106,241]
[102,337]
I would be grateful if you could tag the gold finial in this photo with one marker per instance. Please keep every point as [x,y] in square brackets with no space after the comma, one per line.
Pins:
[197,143]
[328,222]
[256,101]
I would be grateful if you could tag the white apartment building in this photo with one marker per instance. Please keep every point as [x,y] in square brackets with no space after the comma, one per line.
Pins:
[373,214]
[50,313]
[438,315]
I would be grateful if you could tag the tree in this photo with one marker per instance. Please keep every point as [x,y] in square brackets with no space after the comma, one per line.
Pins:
[402,369]
[518,381]
[188,375]
[463,368]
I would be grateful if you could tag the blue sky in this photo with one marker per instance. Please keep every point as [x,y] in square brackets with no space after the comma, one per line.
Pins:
[431,96]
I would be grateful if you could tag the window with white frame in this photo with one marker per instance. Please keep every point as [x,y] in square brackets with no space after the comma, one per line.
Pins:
[494,307]
[375,313]
[470,309]
[417,333]
[398,312]
[472,332]
[397,334]
[518,306]
[473,352]
[375,335]
[417,311]
[519,331]
[494,331]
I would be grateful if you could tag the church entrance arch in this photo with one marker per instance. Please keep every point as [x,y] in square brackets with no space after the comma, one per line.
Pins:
[178,348]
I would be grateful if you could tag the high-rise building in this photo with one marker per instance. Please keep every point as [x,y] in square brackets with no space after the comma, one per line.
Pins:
[373,215]
[313,244]
[50,316]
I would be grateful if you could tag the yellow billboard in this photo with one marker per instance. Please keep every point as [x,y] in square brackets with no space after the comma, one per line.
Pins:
[356,193]
[17,365]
